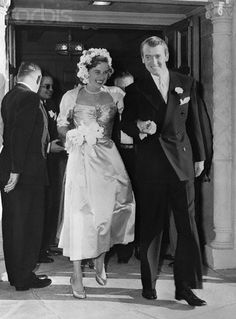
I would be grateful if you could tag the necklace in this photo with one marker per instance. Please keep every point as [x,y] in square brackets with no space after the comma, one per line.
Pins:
[91,92]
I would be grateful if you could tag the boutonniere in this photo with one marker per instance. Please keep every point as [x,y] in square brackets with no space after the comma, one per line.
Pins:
[185,100]
[179,90]
[52,114]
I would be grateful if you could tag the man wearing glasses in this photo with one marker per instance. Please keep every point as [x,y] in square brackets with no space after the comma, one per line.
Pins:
[55,162]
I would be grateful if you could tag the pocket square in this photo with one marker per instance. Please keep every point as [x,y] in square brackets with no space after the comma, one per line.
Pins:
[185,100]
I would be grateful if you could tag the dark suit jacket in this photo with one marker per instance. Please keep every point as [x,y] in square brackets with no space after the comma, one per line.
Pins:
[54,160]
[207,139]
[143,101]
[22,137]
[52,112]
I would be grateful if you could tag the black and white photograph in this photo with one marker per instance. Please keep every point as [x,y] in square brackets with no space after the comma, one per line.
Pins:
[117,159]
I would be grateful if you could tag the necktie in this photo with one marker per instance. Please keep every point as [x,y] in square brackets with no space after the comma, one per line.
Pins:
[163,89]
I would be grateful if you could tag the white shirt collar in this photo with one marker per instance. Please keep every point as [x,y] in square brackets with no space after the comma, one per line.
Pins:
[165,79]
[26,84]
[163,87]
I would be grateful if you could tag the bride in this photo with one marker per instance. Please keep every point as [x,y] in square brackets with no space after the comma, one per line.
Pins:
[99,206]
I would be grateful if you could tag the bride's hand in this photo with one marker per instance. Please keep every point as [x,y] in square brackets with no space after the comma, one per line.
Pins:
[147,127]
[152,128]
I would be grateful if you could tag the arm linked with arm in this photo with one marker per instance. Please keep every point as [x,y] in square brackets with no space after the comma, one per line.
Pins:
[130,114]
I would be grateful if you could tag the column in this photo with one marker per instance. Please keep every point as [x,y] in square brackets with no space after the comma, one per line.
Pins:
[221,253]
[234,116]
[4,5]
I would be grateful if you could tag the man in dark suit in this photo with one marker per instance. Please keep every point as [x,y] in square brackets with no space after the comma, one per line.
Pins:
[23,176]
[56,160]
[161,114]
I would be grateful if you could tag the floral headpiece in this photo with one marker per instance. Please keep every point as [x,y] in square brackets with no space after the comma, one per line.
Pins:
[85,60]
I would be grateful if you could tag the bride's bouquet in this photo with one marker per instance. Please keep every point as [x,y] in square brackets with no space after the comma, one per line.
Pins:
[83,134]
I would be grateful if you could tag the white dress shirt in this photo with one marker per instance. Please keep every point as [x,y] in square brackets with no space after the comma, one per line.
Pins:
[162,84]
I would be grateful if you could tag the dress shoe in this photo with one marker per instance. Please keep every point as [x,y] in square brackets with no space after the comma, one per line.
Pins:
[35,283]
[54,252]
[77,294]
[42,276]
[101,277]
[101,281]
[187,295]
[149,294]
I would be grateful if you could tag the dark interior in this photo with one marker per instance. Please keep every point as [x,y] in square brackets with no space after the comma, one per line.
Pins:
[38,44]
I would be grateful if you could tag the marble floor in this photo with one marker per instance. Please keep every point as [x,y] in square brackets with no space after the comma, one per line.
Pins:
[120,299]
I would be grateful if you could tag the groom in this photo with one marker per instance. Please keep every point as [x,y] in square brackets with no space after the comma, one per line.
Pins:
[161,114]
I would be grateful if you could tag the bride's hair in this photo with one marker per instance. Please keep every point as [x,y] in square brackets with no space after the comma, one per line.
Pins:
[90,59]
[97,60]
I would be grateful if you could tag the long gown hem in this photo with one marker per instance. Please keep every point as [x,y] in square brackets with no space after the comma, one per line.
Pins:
[99,205]
[91,256]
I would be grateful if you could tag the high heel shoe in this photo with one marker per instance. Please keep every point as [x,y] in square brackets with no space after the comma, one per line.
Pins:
[78,294]
[99,279]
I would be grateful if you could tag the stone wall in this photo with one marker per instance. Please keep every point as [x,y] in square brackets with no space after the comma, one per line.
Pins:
[206,75]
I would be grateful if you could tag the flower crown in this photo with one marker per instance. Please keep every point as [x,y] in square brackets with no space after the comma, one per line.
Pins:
[86,59]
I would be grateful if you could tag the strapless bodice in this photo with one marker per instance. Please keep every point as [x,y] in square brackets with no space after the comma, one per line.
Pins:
[102,114]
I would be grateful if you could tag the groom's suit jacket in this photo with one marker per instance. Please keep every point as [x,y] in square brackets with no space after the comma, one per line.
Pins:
[24,138]
[177,144]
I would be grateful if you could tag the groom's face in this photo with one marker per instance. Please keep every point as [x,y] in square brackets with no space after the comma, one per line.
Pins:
[155,59]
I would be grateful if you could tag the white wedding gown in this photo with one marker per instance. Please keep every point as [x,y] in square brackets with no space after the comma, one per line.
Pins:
[99,206]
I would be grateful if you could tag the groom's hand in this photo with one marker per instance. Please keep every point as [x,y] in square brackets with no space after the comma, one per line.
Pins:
[55,147]
[147,127]
[198,168]
[11,184]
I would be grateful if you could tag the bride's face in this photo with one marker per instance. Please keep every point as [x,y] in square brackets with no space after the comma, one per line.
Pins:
[99,74]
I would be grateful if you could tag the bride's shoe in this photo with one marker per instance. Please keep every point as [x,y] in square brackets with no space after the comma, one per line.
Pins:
[101,280]
[77,294]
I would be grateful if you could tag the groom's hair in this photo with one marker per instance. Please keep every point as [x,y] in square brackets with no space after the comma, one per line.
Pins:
[153,42]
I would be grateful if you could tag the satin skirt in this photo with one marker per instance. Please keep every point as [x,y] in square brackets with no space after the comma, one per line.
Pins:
[99,205]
